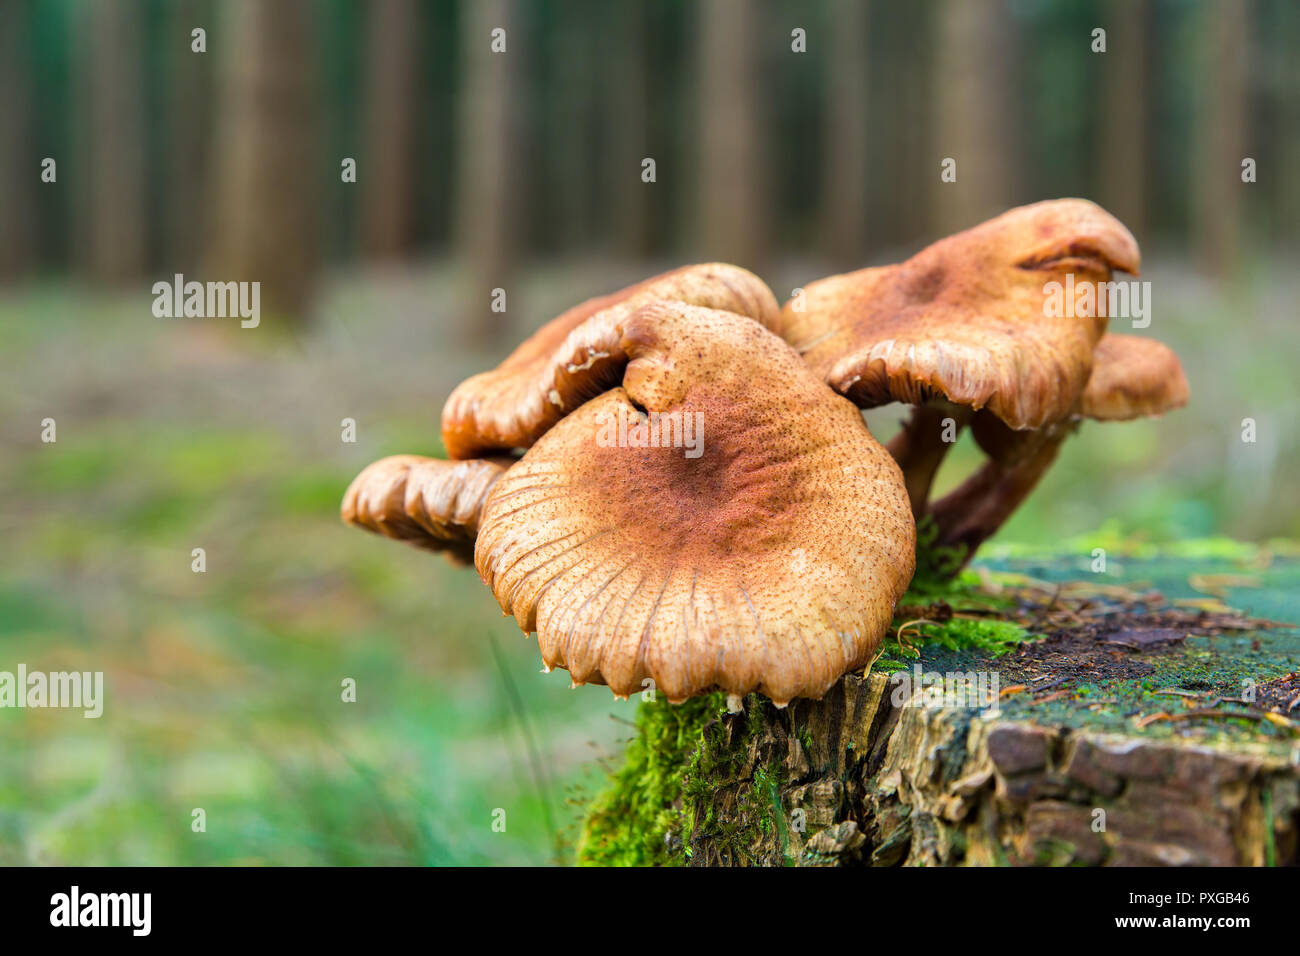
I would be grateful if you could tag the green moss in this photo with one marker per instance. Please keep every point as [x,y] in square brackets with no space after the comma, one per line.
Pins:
[639,819]
[722,762]
[938,577]
[767,795]
[964,588]
[806,741]
[935,564]
[1116,542]
[991,637]
[967,629]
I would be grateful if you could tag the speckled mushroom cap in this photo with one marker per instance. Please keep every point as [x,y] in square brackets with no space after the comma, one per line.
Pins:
[576,356]
[964,318]
[430,503]
[770,562]
[1133,377]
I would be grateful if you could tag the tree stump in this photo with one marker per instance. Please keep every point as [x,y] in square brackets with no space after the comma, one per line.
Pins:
[1130,728]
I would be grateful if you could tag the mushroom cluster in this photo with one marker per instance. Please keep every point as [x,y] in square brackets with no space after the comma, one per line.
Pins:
[674,487]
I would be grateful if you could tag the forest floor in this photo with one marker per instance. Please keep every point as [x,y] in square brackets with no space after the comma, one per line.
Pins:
[1137,657]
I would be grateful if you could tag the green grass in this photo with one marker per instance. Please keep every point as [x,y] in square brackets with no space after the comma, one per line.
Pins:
[223,688]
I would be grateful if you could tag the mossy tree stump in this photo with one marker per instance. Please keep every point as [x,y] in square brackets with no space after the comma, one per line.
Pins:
[1127,729]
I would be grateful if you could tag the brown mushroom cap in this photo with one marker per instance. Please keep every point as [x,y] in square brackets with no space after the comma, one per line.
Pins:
[1133,377]
[576,356]
[429,503]
[964,319]
[771,562]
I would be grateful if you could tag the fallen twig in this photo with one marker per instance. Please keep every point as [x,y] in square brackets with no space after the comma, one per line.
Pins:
[1210,714]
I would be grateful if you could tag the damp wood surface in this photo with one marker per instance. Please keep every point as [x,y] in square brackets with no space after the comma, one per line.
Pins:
[1148,715]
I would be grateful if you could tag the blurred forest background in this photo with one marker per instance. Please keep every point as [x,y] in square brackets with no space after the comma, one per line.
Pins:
[174,161]
[520,170]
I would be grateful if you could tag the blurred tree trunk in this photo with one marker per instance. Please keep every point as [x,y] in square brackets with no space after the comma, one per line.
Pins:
[114,234]
[902,125]
[973,112]
[627,122]
[19,166]
[268,158]
[189,106]
[1122,163]
[731,201]
[1287,129]
[386,179]
[844,183]
[569,133]
[487,213]
[1221,135]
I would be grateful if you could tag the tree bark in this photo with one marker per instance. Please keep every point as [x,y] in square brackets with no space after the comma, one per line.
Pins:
[882,785]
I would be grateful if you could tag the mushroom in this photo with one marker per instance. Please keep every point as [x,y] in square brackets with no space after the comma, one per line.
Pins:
[1132,377]
[429,503]
[961,326]
[576,356]
[769,561]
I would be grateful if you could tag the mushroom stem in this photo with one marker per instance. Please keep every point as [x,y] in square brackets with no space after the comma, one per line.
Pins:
[920,447]
[973,513]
